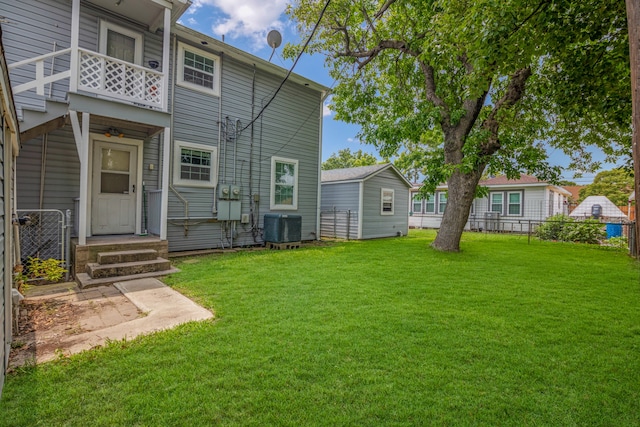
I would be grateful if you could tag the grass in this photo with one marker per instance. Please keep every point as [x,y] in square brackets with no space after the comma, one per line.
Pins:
[385,332]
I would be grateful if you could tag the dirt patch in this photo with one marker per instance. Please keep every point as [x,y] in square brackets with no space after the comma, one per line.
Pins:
[46,322]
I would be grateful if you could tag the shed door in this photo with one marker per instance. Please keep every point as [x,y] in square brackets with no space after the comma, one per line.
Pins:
[114,185]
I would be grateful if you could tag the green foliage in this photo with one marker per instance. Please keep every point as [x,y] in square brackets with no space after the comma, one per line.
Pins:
[497,82]
[49,270]
[345,159]
[620,242]
[616,185]
[567,229]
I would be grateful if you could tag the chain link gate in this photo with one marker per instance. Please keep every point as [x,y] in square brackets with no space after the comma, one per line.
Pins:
[45,234]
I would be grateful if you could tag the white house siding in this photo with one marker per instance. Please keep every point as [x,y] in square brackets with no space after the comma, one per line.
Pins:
[373,223]
[345,198]
[289,128]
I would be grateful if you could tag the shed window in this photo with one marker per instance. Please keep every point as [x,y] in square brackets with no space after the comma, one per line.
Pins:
[387,196]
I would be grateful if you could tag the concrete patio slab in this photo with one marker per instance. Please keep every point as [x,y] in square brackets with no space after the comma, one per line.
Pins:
[157,307]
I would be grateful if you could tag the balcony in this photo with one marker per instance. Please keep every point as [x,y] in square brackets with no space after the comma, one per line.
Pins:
[99,74]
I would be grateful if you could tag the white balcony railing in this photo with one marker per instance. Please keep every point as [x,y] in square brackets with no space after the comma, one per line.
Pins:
[99,74]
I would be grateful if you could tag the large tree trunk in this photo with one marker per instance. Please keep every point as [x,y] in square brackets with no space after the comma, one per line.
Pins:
[462,189]
[633,19]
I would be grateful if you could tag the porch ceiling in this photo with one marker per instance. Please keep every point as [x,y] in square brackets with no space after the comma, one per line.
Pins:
[147,12]
[115,114]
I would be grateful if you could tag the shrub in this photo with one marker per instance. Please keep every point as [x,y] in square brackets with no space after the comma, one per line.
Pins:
[552,229]
[565,228]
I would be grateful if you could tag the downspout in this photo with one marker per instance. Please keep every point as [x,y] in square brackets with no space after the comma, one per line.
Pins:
[324,96]
[184,201]
[215,197]
[43,168]
[251,141]
[235,150]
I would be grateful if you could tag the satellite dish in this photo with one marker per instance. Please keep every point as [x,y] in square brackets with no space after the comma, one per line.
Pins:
[274,39]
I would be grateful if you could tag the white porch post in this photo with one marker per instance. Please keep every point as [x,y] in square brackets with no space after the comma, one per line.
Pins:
[75,36]
[81,137]
[166,42]
[166,159]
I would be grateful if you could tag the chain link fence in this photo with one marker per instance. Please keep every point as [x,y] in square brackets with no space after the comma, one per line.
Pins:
[44,234]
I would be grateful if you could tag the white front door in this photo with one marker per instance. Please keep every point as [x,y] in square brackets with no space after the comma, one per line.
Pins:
[114,178]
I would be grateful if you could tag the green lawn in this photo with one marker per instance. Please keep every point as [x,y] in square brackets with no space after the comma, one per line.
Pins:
[384,332]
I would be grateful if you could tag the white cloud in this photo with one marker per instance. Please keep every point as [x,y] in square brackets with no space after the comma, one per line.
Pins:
[245,18]
[326,111]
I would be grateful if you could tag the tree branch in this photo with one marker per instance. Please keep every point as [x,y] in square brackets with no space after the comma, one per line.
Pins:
[513,94]
[384,8]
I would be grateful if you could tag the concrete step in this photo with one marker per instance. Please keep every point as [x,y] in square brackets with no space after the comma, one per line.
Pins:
[98,271]
[85,281]
[127,256]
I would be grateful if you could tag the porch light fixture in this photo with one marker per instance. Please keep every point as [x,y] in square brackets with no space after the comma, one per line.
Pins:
[113,131]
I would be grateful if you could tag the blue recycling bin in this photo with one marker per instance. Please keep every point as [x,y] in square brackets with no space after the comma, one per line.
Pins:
[614,230]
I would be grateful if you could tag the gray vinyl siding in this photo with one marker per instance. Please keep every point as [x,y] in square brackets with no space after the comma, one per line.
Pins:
[374,224]
[5,288]
[35,25]
[289,128]
[345,199]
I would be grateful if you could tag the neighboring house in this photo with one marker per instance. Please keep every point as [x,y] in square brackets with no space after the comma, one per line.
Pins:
[364,202]
[146,129]
[9,144]
[510,205]
[600,207]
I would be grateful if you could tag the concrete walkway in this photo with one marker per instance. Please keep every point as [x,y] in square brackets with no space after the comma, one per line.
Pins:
[162,308]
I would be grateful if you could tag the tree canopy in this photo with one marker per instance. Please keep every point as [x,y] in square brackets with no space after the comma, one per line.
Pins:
[346,159]
[477,85]
[616,184]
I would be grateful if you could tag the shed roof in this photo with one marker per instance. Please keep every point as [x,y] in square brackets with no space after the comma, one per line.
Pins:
[609,209]
[360,173]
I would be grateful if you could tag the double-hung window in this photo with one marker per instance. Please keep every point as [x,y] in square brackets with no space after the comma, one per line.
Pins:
[497,202]
[284,183]
[387,202]
[416,207]
[442,202]
[195,165]
[514,206]
[198,70]
[430,204]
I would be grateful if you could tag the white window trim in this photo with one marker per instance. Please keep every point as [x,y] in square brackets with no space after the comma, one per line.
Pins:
[435,204]
[177,161]
[438,202]
[501,193]
[414,201]
[272,201]
[521,204]
[216,70]
[106,25]
[393,201]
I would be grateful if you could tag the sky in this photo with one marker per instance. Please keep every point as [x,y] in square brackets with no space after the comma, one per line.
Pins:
[245,24]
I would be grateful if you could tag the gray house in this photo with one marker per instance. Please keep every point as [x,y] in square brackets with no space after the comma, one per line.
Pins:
[9,146]
[364,202]
[155,136]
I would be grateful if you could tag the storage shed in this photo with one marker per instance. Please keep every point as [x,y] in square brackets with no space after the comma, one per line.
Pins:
[364,203]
